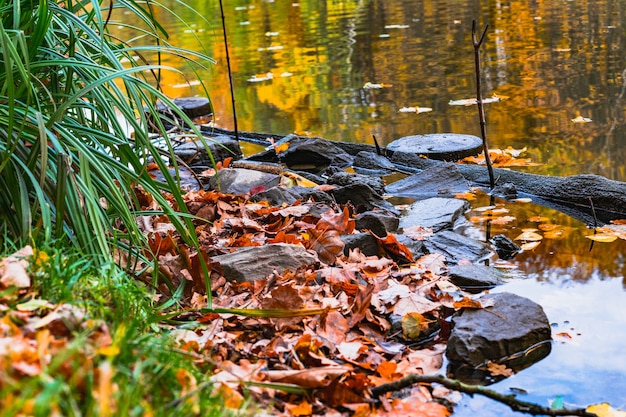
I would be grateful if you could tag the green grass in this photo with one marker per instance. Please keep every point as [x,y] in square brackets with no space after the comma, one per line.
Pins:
[139,369]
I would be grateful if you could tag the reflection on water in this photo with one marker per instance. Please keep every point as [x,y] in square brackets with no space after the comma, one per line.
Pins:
[302,67]
[549,61]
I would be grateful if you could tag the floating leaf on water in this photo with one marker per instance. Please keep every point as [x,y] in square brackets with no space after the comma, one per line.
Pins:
[259,78]
[417,110]
[271,34]
[530,245]
[581,119]
[484,208]
[523,200]
[496,369]
[375,86]
[538,219]
[471,101]
[602,237]
[397,26]
[605,410]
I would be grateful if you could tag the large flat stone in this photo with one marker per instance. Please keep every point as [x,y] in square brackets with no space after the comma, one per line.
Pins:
[243,181]
[436,213]
[258,262]
[456,247]
[438,181]
[444,146]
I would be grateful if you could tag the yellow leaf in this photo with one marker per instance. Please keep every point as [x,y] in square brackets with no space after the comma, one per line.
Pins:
[302,409]
[412,325]
[529,236]
[603,237]
[530,246]
[605,410]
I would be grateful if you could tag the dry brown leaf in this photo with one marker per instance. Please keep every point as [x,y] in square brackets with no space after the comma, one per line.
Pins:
[499,370]
[308,378]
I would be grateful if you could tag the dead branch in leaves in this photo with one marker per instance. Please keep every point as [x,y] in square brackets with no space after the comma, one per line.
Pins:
[453,384]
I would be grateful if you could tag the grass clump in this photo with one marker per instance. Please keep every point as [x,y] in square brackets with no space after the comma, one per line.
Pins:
[84,339]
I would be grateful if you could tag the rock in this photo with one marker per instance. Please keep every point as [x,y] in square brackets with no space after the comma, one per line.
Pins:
[196,154]
[443,146]
[512,325]
[507,191]
[440,180]
[373,162]
[362,197]
[475,278]
[505,247]
[379,222]
[253,263]
[456,247]
[436,213]
[417,247]
[191,106]
[277,196]
[345,178]
[365,242]
[313,194]
[242,181]
[314,155]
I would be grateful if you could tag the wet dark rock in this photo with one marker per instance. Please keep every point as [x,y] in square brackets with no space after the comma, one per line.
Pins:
[345,178]
[417,247]
[365,242]
[436,213]
[372,161]
[440,180]
[475,278]
[253,263]
[314,155]
[277,196]
[379,222]
[313,194]
[507,191]
[196,154]
[456,247]
[193,107]
[242,181]
[512,325]
[505,247]
[362,197]
[442,146]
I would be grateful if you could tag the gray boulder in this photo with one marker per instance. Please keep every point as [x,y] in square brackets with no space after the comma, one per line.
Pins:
[253,263]
[242,181]
[219,147]
[436,213]
[440,180]
[456,247]
[475,278]
[379,222]
[511,325]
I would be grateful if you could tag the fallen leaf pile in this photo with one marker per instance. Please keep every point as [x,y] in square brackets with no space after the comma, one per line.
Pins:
[312,341]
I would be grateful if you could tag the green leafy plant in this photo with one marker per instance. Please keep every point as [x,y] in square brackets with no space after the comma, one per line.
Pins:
[70,92]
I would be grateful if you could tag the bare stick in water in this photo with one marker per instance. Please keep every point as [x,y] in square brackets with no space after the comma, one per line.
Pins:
[230,74]
[479,99]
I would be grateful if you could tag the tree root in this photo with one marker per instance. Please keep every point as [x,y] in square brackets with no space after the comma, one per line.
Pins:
[453,384]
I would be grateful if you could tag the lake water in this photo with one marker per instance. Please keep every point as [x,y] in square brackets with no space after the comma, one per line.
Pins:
[557,67]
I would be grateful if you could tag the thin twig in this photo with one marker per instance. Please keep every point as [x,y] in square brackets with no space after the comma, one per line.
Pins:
[479,99]
[230,73]
[456,385]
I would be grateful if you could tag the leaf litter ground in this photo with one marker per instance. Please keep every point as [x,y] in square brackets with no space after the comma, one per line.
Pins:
[312,341]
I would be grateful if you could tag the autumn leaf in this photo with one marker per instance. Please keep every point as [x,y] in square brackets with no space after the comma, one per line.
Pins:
[302,409]
[396,250]
[308,378]
[499,370]
[327,244]
[602,237]
[413,324]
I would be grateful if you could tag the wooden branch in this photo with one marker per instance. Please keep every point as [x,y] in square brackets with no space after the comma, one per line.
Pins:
[453,384]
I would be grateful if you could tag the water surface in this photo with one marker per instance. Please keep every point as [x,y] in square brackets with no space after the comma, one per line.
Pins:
[304,67]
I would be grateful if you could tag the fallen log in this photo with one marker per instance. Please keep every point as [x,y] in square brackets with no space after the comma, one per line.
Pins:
[590,198]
